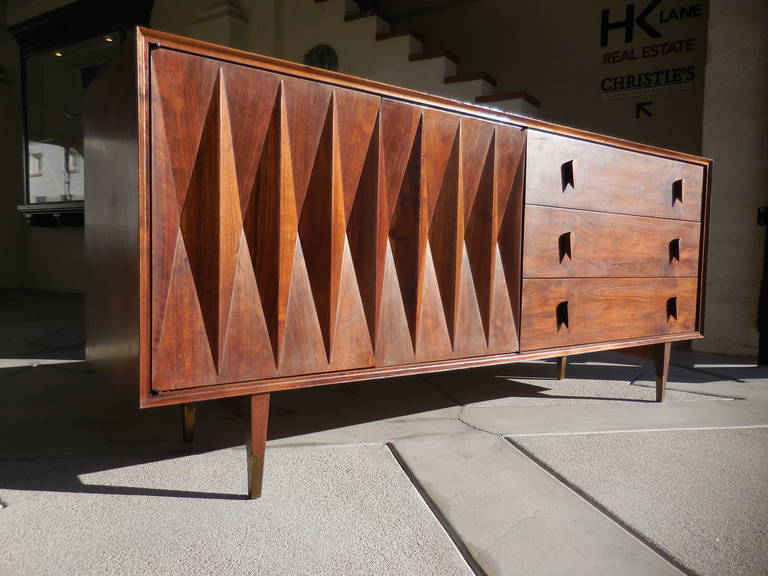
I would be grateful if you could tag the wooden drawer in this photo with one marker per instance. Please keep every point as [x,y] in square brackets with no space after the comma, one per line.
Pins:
[560,243]
[567,312]
[575,173]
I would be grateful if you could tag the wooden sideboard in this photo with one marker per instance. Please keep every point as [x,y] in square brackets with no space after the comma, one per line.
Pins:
[254,225]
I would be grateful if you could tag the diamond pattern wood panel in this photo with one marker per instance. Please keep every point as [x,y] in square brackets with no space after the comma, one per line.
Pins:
[302,228]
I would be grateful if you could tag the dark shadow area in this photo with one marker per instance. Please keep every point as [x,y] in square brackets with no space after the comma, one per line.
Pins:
[44,477]
[67,411]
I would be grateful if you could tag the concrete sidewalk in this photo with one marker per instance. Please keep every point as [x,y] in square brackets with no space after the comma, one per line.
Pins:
[492,471]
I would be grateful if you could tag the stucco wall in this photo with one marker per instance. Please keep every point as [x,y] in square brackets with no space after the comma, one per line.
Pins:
[736,136]
[553,51]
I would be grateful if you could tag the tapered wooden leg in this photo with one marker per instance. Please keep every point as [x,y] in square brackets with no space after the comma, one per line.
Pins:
[561,364]
[188,421]
[662,354]
[256,442]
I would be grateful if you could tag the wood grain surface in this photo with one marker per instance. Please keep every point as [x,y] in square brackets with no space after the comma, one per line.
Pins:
[572,173]
[603,309]
[264,226]
[114,224]
[575,243]
[300,228]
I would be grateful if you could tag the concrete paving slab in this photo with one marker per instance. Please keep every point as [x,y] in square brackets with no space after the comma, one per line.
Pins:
[58,411]
[343,510]
[440,423]
[375,411]
[684,380]
[619,416]
[734,367]
[699,496]
[515,518]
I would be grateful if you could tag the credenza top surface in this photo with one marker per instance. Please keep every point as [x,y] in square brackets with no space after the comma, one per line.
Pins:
[149,38]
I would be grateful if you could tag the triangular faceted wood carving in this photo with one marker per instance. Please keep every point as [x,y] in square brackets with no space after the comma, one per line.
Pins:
[304,105]
[481,240]
[271,225]
[510,174]
[398,125]
[165,202]
[440,133]
[183,117]
[181,362]
[408,236]
[446,236]
[356,115]
[251,98]
[475,142]
[367,230]
[211,221]
[322,228]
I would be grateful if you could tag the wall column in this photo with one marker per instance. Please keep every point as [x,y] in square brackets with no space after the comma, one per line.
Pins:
[735,135]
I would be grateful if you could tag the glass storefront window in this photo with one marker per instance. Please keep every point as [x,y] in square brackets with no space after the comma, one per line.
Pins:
[55,82]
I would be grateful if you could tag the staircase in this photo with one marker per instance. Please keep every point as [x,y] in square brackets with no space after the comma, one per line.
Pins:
[368,47]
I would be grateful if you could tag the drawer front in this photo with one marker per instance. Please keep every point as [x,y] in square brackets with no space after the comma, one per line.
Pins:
[560,243]
[573,173]
[568,312]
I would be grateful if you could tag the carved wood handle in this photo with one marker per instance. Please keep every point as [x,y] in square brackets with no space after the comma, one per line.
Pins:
[562,315]
[564,245]
[566,174]
[677,191]
[672,308]
[674,250]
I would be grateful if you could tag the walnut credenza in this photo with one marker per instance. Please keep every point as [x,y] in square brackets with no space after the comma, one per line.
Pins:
[254,225]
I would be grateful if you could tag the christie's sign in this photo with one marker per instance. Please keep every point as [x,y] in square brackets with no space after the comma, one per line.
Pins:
[647,25]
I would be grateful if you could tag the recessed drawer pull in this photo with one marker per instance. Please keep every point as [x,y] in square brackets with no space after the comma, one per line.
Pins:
[672,308]
[562,315]
[566,174]
[677,191]
[674,250]
[564,245]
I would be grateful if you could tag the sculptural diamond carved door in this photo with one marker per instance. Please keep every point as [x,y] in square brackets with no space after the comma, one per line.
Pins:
[451,203]
[299,227]
[254,179]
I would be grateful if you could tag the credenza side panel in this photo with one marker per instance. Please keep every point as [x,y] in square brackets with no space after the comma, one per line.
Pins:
[113,227]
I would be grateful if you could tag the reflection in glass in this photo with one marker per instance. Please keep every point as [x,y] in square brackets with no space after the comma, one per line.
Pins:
[55,84]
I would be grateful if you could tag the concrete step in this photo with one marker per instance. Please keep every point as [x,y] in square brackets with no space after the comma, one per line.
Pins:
[370,17]
[434,66]
[467,87]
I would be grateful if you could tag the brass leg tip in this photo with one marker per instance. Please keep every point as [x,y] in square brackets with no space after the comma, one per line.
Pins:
[189,420]
[255,476]
[561,365]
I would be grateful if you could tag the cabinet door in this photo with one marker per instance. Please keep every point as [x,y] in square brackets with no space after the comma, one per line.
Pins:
[254,178]
[450,204]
